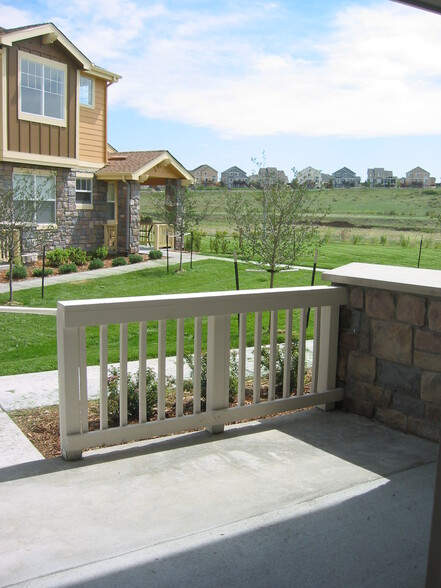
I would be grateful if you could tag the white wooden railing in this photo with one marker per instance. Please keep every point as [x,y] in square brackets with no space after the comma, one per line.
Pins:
[219,308]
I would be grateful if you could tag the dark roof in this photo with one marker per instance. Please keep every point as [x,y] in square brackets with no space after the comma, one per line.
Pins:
[129,161]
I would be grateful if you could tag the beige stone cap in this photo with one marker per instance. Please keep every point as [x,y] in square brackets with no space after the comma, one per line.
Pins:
[387,277]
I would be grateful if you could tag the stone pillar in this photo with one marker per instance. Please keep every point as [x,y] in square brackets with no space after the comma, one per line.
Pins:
[173,194]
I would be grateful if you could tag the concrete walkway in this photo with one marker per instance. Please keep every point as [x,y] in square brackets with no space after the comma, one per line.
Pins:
[306,500]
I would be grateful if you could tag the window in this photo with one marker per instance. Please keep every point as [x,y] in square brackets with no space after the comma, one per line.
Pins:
[35,196]
[83,192]
[111,202]
[86,91]
[42,89]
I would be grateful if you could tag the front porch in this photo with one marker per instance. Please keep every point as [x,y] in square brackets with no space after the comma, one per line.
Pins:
[310,499]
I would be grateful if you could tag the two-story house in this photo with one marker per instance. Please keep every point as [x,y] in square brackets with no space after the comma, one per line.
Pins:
[204,175]
[419,178]
[268,173]
[234,177]
[380,177]
[310,177]
[53,129]
[345,178]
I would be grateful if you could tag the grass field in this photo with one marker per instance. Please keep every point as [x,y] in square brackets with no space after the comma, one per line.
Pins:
[28,342]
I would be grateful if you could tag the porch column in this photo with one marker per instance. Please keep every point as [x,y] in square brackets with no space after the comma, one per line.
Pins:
[172,196]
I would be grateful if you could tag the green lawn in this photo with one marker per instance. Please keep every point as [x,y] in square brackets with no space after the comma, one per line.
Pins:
[28,342]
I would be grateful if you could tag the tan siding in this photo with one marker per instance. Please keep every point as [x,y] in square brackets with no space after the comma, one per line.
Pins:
[36,138]
[92,138]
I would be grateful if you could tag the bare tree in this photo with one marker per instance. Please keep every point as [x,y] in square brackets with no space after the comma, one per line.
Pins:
[277,225]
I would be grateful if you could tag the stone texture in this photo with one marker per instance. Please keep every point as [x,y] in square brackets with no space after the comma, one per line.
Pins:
[356,298]
[342,362]
[380,304]
[431,387]
[410,406]
[426,360]
[423,428]
[399,378]
[392,341]
[361,366]
[433,413]
[427,341]
[361,407]
[391,418]
[434,315]
[411,309]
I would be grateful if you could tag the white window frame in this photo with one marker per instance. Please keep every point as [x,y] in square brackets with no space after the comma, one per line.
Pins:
[41,173]
[42,118]
[87,104]
[113,221]
[84,205]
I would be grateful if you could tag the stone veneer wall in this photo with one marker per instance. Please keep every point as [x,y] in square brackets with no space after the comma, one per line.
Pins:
[390,358]
[123,188]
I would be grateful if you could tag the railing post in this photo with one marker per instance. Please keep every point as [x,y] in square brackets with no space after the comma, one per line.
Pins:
[218,367]
[327,368]
[68,342]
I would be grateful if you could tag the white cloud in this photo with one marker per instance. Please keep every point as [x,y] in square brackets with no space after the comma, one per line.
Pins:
[12,17]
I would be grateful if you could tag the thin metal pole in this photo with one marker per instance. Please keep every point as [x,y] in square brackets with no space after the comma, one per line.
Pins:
[191,251]
[419,256]
[314,267]
[42,275]
[168,266]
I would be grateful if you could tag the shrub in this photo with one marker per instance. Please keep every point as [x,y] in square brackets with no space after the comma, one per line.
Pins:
[101,252]
[197,241]
[57,257]
[77,256]
[113,385]
[37,272]
[146,218]
[219,243]
[119,261]
[155,254]
[356,239]
[96,263]
[280,364]
[383,240]
[19,272]
[232,382]
[67,268]
[135,258]
[404,241]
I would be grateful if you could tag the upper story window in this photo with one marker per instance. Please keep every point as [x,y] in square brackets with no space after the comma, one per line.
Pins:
[42,90]
[86,91]
[35,196]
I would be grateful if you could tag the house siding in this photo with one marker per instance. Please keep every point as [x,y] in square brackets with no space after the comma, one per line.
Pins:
[40,138]
[92,126]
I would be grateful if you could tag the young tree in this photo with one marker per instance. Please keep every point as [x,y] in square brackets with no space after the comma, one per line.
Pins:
[182,210]
[19,206]
[277,225]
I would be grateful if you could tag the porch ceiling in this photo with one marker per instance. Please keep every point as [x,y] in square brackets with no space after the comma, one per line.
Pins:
[432,5]
[146,167]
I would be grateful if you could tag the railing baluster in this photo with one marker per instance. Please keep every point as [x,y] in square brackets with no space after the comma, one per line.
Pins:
[218,367]
[273,356]
[197,365]
[288,353]
[302,346]
[104,417]
[316,354]
[179,367]
[161,368]
[83,381]
[257,356]
[242,358]
[123,345]
[142,372]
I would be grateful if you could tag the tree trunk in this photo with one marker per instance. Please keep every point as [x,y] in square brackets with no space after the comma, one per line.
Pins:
[11,263]
[181,250]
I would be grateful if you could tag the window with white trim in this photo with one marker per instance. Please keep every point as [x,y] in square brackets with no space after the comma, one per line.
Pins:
[35,196]
[111,202]
[86,91]
[83,191]
[42,88]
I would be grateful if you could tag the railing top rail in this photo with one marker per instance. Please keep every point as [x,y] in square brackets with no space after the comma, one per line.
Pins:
[28,310]
[85,313]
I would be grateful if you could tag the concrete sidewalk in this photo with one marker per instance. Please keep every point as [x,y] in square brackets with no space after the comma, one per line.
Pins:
[306,500]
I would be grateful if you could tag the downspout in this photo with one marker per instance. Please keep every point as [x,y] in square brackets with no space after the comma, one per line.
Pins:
[127,216]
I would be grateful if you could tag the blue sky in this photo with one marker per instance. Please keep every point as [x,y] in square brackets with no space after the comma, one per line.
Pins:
[320,83]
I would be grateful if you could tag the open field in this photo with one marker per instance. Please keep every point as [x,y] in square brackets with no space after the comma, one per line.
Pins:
[28,342]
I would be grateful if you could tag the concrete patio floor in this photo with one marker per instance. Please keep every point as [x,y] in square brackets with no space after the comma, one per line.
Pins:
[309,499]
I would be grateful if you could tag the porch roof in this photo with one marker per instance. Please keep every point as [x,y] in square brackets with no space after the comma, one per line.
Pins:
[147,167]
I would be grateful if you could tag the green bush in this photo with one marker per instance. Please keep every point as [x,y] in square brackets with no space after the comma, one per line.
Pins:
[135,258]
[219,243]
[383,240]
[232,382]
[101,252]
[57,257]
[280,364]
[404,241]
[119,261]
[113,385]
[37,272]
[155,254]
[67,268]
[19,272]
[77,255]
[356,239]
[96,263]
[197,241]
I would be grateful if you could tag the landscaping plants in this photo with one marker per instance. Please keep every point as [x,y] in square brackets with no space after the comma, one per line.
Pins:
[135,258]
[67,268]
[118,261]
[96,263]
[19,272]
[37,272]
[113,398]
[101,252]
[155,254]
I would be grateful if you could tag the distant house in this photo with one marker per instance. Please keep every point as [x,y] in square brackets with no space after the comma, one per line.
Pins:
[345,178]
[270,173]
[234,177]
[326,180]
[378,176]
[419,177]
[310,177]
[204,175]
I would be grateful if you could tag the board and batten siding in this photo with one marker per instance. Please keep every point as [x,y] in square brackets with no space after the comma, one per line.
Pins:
[93,125]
